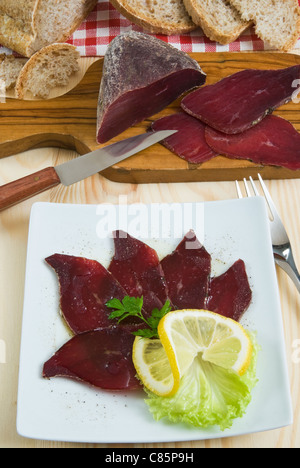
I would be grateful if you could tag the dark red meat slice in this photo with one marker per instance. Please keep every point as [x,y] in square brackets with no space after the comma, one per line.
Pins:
[230,294]
[187,272]
[137,268]
[240,101]
[102,358]
[274,141]
[85,288]
[141,76]
[189,142]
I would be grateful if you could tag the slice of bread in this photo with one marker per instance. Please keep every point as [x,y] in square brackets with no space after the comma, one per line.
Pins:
[49,67]
[10,68]
[157,16]
[219,20]
[28,25]
[276,21]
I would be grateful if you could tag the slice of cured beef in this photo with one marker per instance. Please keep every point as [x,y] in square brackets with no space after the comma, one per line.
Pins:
[243,99]
[137,268]
[274,141]
[102,358]
[230,294]
[85,288]
[141,76]
[189,142]
[187,272]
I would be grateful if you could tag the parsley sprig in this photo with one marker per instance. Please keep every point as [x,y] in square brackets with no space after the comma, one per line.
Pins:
[133,307]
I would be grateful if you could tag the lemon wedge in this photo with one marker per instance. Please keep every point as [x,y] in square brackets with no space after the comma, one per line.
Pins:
[161,363]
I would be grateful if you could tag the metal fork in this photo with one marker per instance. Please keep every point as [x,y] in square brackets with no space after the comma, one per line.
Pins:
[282,249]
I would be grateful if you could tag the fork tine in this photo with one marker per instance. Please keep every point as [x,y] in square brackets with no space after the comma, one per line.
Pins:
[254,187]
[248,192]
[238,189]
[282,250]
[278,232]
[271,205]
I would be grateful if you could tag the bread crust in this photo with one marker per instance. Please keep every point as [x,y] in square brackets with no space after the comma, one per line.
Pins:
[20,87]
[286,45]
[290,44]
[88,6]
[20,33]
[10,68]
[152,25]
[213,31]
[24,10]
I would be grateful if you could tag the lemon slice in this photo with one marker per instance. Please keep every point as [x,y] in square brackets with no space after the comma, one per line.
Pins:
[153,367]
[220,340]
[161,363]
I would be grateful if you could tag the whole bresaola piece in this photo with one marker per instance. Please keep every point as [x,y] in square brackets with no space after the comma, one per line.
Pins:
[274,141]
[187,272]
[240,101]
[141,76]
[137,268]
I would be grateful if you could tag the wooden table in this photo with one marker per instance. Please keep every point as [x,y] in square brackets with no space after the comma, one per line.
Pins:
[13,246]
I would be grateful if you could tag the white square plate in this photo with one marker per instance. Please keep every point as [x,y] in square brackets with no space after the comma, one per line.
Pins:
[65,410]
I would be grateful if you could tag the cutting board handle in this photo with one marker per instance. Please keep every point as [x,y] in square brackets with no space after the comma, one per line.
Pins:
[22,189]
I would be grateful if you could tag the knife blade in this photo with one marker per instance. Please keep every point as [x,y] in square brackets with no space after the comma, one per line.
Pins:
[78,169]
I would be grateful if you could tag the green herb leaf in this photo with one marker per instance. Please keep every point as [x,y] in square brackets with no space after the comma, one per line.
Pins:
[133,307]
[115,304]
[146,333]
[116,314]
[129,307]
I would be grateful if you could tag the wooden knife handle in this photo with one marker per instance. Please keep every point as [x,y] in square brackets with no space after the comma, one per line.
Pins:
[22,189]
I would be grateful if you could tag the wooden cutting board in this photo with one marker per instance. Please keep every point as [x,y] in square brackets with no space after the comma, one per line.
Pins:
[69,121]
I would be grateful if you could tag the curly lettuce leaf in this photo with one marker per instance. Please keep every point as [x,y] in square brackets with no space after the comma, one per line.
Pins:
[208,395]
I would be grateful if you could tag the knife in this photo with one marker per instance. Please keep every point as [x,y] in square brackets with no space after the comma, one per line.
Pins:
[78,169]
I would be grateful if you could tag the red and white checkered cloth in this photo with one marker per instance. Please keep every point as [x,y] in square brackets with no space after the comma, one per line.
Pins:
[105,23]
